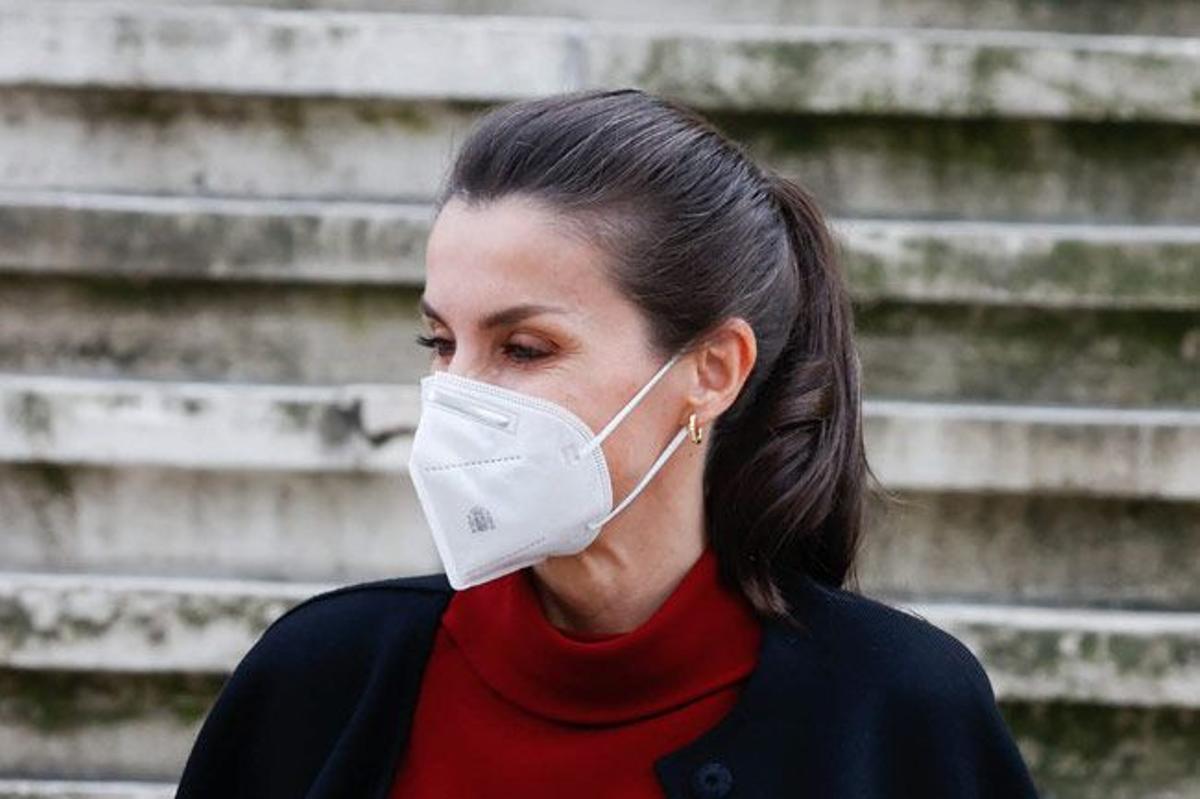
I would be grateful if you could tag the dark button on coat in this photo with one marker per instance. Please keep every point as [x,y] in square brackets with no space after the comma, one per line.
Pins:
[712,781]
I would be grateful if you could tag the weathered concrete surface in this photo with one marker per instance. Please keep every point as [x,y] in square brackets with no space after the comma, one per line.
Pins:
[1118,657]
[350,526]
[192,425]
[81,726]
[94,726]
[913,445]
[836,70]
[168,521]
[258,51]
[903,130]
[1024,355]
[191,144]
[308,148]
[1121,266]
[258,332]
[974,447]
[1088,751]
[1162,17]
[143,624]
[878,71]
[198,238]
[305,333]
[1050,549]
[155,625]
[67,789]
[996,263]
[995,168]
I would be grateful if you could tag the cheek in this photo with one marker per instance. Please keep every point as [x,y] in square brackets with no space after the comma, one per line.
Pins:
[631,449]
[621,453]
[596,404]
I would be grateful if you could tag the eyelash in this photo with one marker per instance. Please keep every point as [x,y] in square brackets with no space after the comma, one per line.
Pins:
[437,342]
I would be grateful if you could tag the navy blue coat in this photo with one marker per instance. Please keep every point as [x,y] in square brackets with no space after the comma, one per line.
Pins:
[868,701]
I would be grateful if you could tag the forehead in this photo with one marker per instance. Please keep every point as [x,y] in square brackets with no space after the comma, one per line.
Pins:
[513,248]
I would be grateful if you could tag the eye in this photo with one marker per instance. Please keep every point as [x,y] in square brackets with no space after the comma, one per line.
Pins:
[518,352]
[436,343]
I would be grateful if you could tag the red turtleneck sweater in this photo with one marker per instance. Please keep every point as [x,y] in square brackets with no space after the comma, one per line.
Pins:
[511,705]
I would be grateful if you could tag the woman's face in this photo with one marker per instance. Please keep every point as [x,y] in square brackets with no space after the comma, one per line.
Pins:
[511,300]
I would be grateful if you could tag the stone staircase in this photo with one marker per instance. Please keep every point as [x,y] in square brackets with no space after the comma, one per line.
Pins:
[211,244]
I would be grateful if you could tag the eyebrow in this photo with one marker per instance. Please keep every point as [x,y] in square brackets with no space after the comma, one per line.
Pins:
[507,316]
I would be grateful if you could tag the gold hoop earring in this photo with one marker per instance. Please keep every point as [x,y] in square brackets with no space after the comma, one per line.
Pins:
[696,431]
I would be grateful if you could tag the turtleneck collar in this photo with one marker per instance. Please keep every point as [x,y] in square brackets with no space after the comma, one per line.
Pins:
[703,638]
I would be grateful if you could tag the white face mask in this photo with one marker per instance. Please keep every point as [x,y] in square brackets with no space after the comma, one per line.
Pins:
[506,479]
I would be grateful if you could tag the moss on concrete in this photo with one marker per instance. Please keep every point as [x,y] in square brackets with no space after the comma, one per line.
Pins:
[414,118]
[1016,354]
[62,702]
[31,413]
[300,416]
[1085,751]
[998,168]
[55,479]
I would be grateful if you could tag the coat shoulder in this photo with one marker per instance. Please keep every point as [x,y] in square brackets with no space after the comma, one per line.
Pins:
[368,600]
[347,622]
[925,696]
[284,708]
[896,648]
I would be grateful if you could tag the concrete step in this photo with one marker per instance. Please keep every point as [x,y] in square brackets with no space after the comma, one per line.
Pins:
[324,148]
[1080,751]
[1035,654]
[145,625]
[350,526]
[94,726]
[1020,222]
[996,263]
[1030,449]
[1090,451]
[1076,751]
[207,425]
[1027,549]
[305,333]
[75,789]
[1029,356]
[1160,17]
[95,665]
[171,521]
[92,623]
[91,725]
[765,67]
[210,238]
[199,238]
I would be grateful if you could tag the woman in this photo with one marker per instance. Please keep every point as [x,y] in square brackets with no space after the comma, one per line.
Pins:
[607,268]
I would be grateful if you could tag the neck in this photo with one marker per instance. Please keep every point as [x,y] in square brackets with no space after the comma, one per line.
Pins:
[618,582]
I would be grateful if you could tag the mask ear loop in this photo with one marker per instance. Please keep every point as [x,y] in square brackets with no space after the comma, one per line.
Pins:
[662,458]
[629,406]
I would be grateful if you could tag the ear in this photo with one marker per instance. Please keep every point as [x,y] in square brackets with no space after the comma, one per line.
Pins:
[723,362]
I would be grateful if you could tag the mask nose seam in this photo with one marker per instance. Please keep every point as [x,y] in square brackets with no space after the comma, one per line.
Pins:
[464,464]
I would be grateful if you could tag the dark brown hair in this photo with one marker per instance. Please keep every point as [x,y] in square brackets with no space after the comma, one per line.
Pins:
[699,233]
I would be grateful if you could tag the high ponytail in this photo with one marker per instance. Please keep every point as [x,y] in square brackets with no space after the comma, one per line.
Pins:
[696,233]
